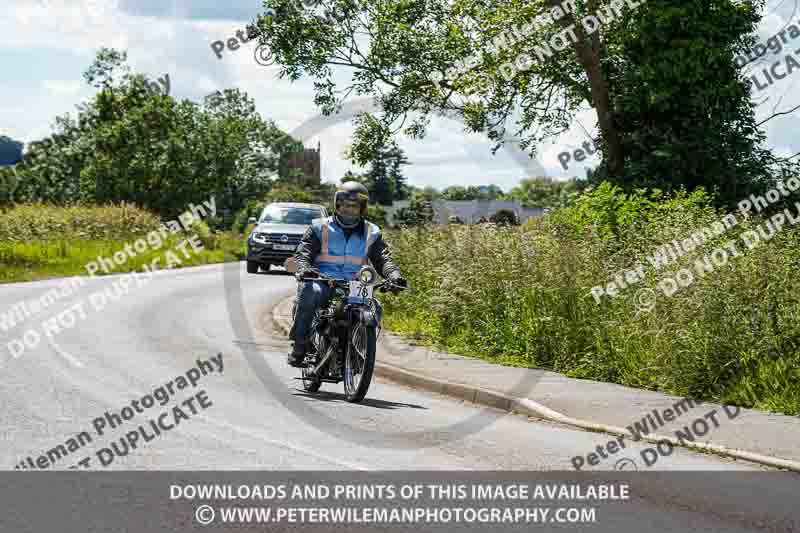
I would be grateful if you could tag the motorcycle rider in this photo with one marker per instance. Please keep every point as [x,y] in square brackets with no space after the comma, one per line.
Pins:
[338,247]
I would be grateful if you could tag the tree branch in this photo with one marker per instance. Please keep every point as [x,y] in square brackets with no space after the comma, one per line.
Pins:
[778,114]
[789,158]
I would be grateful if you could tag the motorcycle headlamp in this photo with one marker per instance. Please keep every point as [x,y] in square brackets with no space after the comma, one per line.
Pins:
[368,275]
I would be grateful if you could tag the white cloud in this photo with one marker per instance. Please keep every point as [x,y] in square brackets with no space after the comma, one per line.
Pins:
[63,87]
[65,35]
[60,25]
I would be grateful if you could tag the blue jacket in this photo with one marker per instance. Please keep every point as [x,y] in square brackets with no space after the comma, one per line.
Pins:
[325,247]
[338,256]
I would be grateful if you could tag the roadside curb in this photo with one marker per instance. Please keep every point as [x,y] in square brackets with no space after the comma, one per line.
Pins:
[531,408]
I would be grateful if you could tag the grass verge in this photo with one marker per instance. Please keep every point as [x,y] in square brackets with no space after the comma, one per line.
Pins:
[29,261]
[523,297]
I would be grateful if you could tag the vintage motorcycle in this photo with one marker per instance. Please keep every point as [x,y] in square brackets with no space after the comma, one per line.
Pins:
[343,334]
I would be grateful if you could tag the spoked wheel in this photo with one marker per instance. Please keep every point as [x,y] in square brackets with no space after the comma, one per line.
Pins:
[359,362]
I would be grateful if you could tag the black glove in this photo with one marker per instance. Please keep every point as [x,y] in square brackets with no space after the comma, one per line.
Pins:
[399,281]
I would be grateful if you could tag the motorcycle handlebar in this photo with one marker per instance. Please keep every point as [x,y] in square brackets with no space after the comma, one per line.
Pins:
[317,276]
[384,286]
[389,286]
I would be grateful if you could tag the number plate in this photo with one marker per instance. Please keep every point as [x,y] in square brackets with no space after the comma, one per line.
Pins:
[357,290]
[290,247]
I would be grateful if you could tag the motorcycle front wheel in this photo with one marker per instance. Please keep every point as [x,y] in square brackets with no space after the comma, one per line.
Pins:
[359,363]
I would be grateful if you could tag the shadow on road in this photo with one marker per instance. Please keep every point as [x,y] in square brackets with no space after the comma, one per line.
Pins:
[326,396]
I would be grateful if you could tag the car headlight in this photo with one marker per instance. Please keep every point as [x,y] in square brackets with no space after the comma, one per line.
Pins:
[260,238]
[368,275]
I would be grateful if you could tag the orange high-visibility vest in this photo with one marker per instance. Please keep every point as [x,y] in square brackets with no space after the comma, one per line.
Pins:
[339,257]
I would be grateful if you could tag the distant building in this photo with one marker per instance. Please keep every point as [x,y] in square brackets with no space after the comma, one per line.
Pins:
[10,151]
[469,211]
[307,162]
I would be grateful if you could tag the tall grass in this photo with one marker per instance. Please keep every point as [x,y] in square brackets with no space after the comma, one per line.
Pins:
[39,241]
[522,296]
[40,221]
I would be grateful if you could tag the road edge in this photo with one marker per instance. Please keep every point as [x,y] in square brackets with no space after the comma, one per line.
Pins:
[531,408]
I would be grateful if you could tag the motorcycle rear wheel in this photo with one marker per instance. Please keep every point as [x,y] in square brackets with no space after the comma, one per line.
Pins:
[359,363]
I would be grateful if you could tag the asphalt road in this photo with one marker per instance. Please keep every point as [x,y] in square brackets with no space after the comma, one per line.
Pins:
[125,349]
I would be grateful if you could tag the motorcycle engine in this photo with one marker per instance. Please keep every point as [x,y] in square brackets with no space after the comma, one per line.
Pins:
[338,313]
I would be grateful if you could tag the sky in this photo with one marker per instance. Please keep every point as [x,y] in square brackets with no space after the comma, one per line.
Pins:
[48,44]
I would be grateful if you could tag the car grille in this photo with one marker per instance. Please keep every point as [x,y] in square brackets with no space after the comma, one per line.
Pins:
[276,238]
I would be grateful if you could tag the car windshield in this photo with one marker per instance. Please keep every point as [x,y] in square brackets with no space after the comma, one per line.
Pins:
[289,215]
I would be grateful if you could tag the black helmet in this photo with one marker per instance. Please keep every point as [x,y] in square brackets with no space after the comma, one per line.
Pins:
[355,192]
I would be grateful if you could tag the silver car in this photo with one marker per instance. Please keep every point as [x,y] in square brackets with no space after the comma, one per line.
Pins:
[280,228]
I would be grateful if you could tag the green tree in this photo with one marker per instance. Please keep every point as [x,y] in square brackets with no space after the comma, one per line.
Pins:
[9,184]
[683,109]
[428,191]
[376,214]
[545,192]
[288,194]
[419,211]
[505,216]
[280,193]
[397,159]
[655,75]
[377,179]
[129,143]
[457,192]
[324,193]
[384,178]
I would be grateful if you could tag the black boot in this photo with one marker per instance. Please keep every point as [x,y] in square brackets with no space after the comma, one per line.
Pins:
[297,355]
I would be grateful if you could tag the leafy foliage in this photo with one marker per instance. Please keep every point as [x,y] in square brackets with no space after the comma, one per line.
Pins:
[281,193]
[376,214]
[505,216]
[683,107]
[522,296]
[609,211]
[419,211]
[131,144]
[384,179]
[458,192]
[546,192]
[9,183]
[673,109]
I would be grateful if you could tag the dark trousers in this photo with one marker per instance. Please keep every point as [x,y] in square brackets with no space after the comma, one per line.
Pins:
[310,296]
